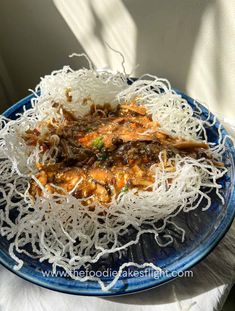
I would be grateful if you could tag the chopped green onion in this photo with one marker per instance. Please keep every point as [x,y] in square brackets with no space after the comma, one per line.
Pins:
[102,156]
[125,189]
[98,142]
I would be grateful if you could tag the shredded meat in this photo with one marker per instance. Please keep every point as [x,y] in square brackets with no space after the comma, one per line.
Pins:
[106,152]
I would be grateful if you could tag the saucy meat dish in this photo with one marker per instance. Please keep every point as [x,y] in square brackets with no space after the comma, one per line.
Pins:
[104,153]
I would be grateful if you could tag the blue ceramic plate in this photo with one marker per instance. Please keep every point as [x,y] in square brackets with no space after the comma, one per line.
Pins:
[203,231]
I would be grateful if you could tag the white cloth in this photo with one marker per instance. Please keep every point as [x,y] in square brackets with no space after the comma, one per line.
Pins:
[206,290]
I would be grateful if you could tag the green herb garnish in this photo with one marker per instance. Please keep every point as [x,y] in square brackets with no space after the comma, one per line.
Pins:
[125,189]
[102,156]
[98,142]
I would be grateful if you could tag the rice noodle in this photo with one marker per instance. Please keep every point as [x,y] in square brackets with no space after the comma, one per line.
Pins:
[59,227]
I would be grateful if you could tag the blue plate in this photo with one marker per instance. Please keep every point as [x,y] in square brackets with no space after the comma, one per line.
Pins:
[203,231]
